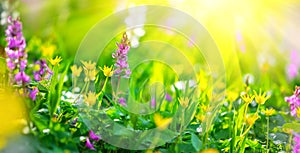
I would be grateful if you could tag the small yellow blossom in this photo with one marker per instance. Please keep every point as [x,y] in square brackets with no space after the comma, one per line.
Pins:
[298,112]
[48,50]
[269,112]
[160,122]
[36,67]
[107,71]
[261,98]
[76,71]
[89,65]
[210,151]
[91,98]
[55,61]
[231,96]
[250,120]
[204,108]
[247,98]
[200,117]
[184,102]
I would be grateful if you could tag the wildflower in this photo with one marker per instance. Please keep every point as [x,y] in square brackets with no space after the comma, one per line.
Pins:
[41,70]
[107,71]
[210,151]
[294,65]
[91,98]
[247,98]
[93,136]
[55,61]
[122,101]
[92,74]
[250,120]
[298,112]
[294,101]
[15,51]
[297,144]
[232,96]
[122,67]
[89,145]
[33,93]
[153,102]
[89,65]
[168,97]
[76,71]
[269,112]
[261,98]
[184,102]
[21,77]
[204,108]
[200,117]
[48,50]
[160,122]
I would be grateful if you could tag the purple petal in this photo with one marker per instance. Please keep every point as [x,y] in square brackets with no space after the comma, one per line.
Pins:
[94,136]
[89,145]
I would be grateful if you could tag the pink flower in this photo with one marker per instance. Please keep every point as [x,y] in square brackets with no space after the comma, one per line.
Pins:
[89,145]
[33,93]
[93,136]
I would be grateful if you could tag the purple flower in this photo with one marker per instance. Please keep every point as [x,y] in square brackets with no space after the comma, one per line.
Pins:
[41,70]
[93,136]
[294,65]
[33,93]
[15,51]
[153,103]
[21,77]
[294,101]
[168,97]
[121,65]
[296,144]
[89,145]
[122,101]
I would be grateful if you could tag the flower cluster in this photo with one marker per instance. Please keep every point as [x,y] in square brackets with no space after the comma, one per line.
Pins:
[15,51]
[121,65]
[294,102]
[41,70]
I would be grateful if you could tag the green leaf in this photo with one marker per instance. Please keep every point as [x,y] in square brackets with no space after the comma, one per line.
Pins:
[293,126]
[197,144]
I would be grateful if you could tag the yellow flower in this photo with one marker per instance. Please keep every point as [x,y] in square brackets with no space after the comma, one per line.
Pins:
[48,50]
[91,98]
[298,112]
[160,122]
[107,71]
[250,120]
[12,111]
[269,112]
[210,151]
[247,98]
[184,102]
[204,108]
[231,96]
[89,65]
[55,61]
[76,71]
[200,117]
[36,67]
[261,98]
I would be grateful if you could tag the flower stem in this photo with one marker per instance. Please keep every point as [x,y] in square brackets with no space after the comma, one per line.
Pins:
[268,126]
